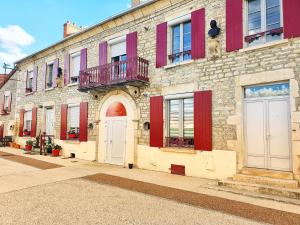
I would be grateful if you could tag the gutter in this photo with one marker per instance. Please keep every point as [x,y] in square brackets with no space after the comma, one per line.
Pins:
[90,28]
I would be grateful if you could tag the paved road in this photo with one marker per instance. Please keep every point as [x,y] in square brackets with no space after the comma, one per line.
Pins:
[79,201]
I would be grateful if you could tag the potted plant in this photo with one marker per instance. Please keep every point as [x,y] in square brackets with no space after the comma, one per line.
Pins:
[28,146]
[72,134]
[26,132]
[56,150]
[28,90]
[48,148]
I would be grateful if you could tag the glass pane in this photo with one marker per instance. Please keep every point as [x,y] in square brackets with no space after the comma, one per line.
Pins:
[174,118]
[176,39]
[254,21]
[271,37]
[188,117]
[267,90]
[273,15]
[271,3]
[253,6]
[74,116]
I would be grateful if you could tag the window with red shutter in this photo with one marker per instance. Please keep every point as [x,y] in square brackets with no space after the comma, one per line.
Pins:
[161,45]
[156,121]
[21,127]
[234,25]
[63,121]
[203,120]
[83,126]
[33,122]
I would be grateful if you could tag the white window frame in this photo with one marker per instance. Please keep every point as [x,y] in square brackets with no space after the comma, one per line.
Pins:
[69,116]
[29,76]
[6,99]
[25,120]
[72,75]
[180,21]
[47,74]
[263,22]
[181,114]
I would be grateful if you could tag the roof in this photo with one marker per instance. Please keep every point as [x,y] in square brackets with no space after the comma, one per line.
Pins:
[90,28]
[8,76]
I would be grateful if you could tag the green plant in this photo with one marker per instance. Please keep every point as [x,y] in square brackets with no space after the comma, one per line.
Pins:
[48,148]
[29,142]
[57,147]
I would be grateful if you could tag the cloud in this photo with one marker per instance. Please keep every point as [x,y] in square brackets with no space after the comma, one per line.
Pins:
[13,40]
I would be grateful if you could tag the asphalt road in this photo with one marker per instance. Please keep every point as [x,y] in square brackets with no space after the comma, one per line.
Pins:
[79,201]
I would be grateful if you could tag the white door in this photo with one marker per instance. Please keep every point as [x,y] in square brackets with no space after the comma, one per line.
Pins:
[267,138]
[115,140]
[49,121]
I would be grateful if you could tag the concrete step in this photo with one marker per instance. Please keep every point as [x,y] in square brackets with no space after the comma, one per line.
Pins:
[280,183]
[267,173]
[262,189]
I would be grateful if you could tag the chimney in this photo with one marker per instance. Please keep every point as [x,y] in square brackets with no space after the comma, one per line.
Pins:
[135,3]
[71,28]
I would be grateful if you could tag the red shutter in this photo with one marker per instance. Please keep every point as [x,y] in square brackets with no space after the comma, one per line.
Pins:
[102,53]
[44,72]
[67,69]
[198,34]
[131,52]
[1,130]
[161,45]
[234,25]
[33,122]
[55,72]
[291,9]
[21,127]
[156,121]
[9,102]
[203,120]
[83,59]
[83,122]
[63,121]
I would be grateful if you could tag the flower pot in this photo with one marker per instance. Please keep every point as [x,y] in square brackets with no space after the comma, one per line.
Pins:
[72,136]
[26,133]
[55,152]
[28,148]
[130,165]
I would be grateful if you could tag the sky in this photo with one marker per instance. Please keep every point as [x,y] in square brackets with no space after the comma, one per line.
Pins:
[27,26]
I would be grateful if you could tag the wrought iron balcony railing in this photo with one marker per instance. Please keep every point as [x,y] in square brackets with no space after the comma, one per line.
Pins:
[134,70]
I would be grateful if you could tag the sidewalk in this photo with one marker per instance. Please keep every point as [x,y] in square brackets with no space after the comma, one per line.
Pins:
[73,168]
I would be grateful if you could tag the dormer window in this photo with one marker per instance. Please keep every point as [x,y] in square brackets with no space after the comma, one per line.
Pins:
[264,21]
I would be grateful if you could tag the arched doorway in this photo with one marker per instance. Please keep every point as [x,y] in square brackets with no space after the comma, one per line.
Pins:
[118,118]
[115,133]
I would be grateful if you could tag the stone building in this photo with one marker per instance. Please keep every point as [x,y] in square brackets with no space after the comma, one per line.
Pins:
[149,86]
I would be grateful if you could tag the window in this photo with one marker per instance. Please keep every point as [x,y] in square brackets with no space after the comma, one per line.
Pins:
[118,60]
[49,80]
[180,123]
[270,90]
[75,67]
[27,125]
[264,21]
[181,42]
[73,114]
[6,100]
[29,81]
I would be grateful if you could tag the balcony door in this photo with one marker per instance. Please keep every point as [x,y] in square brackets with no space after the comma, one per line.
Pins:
[118,60]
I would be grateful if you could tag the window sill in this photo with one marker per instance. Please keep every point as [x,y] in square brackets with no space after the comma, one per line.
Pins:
[179,150]
[72,141]
[73,84]
[49,89]
[178,64]
[29,93]
[265,45]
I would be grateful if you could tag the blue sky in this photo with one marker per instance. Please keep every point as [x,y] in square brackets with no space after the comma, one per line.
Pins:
[31,25]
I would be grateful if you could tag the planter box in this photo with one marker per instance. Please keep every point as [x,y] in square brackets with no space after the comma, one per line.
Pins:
[55,152]
[28,148]
[72,136]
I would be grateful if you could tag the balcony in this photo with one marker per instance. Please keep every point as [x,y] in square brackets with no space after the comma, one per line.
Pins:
[133,72]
